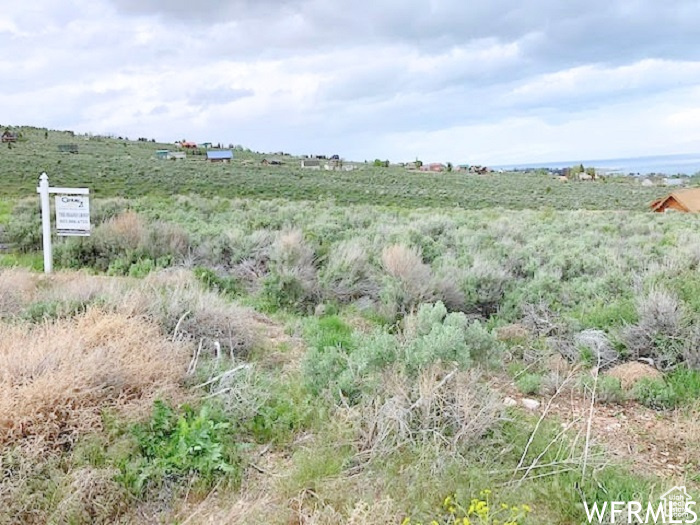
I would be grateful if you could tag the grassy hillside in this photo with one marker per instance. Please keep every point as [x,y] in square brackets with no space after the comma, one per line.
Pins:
[347,349]
[113,167]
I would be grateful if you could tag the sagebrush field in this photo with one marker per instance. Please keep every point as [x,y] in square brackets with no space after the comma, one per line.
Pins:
[251,344]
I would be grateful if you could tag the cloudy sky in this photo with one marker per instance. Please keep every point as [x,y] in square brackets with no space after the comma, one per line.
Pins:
[475,81]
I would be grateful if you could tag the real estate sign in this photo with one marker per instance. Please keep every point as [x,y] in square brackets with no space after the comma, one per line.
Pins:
[72,215]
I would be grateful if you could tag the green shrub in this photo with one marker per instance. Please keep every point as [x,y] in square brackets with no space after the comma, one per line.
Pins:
[608,389]
[284,410]
[285,291]
[685,384]
[142,268]
[654,393]
[529,383]
[679,387]
[191,444]
[328,331]
[47,310]
[444,342]
[225,285]
[347,274]
[23,229]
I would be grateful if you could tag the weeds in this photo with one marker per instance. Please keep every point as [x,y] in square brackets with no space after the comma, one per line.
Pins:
[191,444]
[479,511]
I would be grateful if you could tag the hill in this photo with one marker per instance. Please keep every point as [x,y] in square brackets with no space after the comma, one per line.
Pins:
[112,167]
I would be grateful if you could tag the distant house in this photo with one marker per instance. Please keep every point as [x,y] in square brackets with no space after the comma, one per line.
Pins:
[206,145]
[220,156]
[177,155]
[647,182]
[312,164]
[434,167]
[162,154]
[187,145]
[681,200]
[68,148]
[9,136]
[479,170]
[674,182]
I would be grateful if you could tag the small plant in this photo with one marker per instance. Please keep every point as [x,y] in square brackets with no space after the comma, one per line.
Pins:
[608,389]
[654,393]
[284,291]
[679,387]
[191,444]
[225,285]
[529,383]
[479,511]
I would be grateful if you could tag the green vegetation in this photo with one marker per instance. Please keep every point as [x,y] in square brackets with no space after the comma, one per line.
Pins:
[251,344]
[679,388]
[172,446]
[529,383]
[119,168]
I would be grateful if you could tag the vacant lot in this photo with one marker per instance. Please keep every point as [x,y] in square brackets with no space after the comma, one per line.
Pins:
[206,359]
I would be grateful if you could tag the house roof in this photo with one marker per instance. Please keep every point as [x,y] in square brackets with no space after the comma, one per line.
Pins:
[220,155]
[688,199]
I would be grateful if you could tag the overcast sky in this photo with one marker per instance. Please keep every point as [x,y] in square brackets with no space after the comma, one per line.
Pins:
[467,81]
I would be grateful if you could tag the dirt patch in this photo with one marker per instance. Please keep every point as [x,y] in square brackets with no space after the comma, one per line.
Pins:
[629,374]
[655,443]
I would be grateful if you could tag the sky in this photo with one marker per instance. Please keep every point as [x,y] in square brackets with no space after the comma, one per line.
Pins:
[466,81]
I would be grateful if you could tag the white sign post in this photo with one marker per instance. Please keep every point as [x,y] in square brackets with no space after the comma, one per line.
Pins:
[72,214]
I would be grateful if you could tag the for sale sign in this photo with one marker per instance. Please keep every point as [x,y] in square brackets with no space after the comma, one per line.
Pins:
[72,215]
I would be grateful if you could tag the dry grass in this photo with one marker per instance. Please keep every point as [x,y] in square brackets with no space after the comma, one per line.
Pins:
[57,378]
[127,230]
[448,409]
[91,496]
[16,290]
[406,264]
[177,302]
[413,279]
[348,273]
[661,317]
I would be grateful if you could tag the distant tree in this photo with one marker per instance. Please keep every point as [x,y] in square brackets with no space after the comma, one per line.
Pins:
[46,134]
[419,163]
[449,166]
[591,171]
[378,163]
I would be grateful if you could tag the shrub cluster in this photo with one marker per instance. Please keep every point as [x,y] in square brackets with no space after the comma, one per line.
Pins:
[349,365]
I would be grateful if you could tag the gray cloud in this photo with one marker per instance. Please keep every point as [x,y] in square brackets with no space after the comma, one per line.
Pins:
[315,71]
[217,96]
[202,11]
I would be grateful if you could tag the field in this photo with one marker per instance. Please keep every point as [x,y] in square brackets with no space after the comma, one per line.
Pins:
[249,344]
[130,169]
